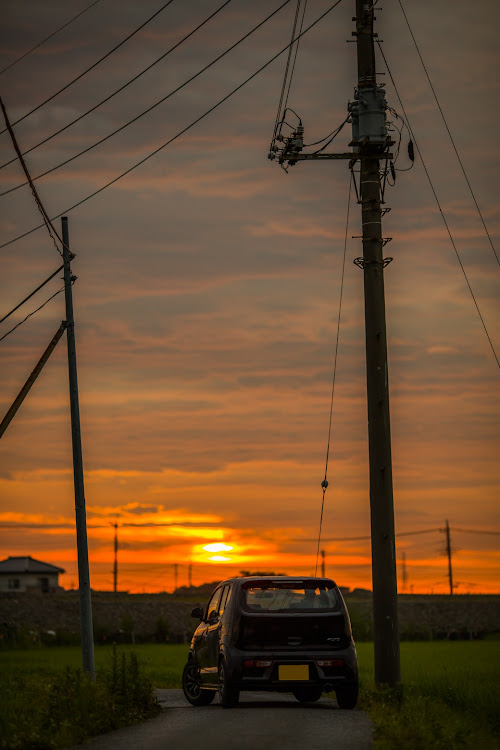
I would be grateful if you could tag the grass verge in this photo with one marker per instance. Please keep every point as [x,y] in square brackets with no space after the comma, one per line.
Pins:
[56,709]
[449,698]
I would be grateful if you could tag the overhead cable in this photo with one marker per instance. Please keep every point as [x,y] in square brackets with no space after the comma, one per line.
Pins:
[31,313]
[32,293]
[153,106]
[439,205]
[285,76]
[475,531]
[94,65]
[130,81]
[47,221]
[324,483]
[365,538]
[449,133]
[179,134]
[65,25]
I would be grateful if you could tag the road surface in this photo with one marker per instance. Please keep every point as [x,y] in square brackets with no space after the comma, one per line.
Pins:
[261,721]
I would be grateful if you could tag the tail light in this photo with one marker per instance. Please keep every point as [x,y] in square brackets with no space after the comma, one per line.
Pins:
[330,662]
[256,663]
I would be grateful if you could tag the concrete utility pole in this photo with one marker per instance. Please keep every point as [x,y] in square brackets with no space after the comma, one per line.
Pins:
[371,144]
[448,552]
[87,635]
[370,115]
[115,563]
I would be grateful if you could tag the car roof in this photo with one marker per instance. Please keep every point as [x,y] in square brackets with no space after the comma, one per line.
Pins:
[277,579]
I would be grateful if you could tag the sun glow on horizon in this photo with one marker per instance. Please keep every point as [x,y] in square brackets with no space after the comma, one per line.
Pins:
[218,547]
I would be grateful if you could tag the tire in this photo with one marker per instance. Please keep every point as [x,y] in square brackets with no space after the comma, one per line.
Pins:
[229,695]
[191,686]
[347,697]
[307,694]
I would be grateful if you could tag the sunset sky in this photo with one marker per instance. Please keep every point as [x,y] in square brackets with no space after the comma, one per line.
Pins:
[208,290]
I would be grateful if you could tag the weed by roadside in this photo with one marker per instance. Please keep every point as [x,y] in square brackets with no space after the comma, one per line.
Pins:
[413,718]
[62,709]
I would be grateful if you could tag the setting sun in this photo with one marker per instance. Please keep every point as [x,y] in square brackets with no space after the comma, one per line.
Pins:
[218,547]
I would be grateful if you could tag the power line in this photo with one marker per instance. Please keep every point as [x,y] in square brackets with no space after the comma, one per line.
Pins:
[285,76]
[32,293]
[449,132]
[324,483]
[31,313]
[121,88]
[439,205]
[153,106]
[184,130]
[49,36]
[295,56]
[47,221]
[94,65]
[366,538]
[476,531]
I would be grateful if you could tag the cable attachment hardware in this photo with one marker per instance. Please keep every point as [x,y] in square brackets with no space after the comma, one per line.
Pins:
[293,144]
[362,263]
[324,484]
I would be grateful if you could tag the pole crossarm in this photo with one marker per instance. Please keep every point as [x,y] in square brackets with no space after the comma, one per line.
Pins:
[325,157]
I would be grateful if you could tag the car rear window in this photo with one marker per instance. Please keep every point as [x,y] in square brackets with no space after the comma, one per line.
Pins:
[289,597]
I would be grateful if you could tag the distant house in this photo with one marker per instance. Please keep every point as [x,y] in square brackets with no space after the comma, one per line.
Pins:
[21,574]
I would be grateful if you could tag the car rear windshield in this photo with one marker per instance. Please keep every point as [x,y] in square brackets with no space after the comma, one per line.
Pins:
[289,596]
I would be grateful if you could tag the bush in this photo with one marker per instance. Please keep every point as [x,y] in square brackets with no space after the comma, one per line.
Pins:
[44,713]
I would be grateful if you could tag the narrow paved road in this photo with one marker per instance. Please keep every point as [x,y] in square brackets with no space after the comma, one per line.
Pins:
[262,721]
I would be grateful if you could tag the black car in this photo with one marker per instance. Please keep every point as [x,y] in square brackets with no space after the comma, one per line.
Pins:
[276,633]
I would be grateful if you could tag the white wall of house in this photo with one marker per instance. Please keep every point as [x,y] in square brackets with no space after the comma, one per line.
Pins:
[24,581]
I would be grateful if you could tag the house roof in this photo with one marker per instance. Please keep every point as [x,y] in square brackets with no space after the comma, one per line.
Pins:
[27,565]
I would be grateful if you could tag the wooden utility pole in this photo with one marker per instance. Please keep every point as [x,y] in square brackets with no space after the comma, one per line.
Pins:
[384,577]
[371,145]
[323,553]
[448,553]
[87,636]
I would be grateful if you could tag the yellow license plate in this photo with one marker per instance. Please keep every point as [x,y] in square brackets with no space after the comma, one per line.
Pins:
[293,672]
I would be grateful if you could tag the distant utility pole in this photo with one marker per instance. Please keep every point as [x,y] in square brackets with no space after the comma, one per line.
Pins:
[404,574]
[448,553]
[323,563]
[176,575]
[115,563]
[190,574]
[87,636]
[371,143]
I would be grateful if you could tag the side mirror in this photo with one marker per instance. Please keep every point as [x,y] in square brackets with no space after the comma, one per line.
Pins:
[197,612]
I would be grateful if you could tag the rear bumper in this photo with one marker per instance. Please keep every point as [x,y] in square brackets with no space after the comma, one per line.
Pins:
[343,671]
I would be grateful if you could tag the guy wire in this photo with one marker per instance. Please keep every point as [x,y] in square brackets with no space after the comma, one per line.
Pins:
[324,483]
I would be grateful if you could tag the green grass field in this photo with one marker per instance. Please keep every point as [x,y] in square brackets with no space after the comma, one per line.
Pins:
[450,697]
